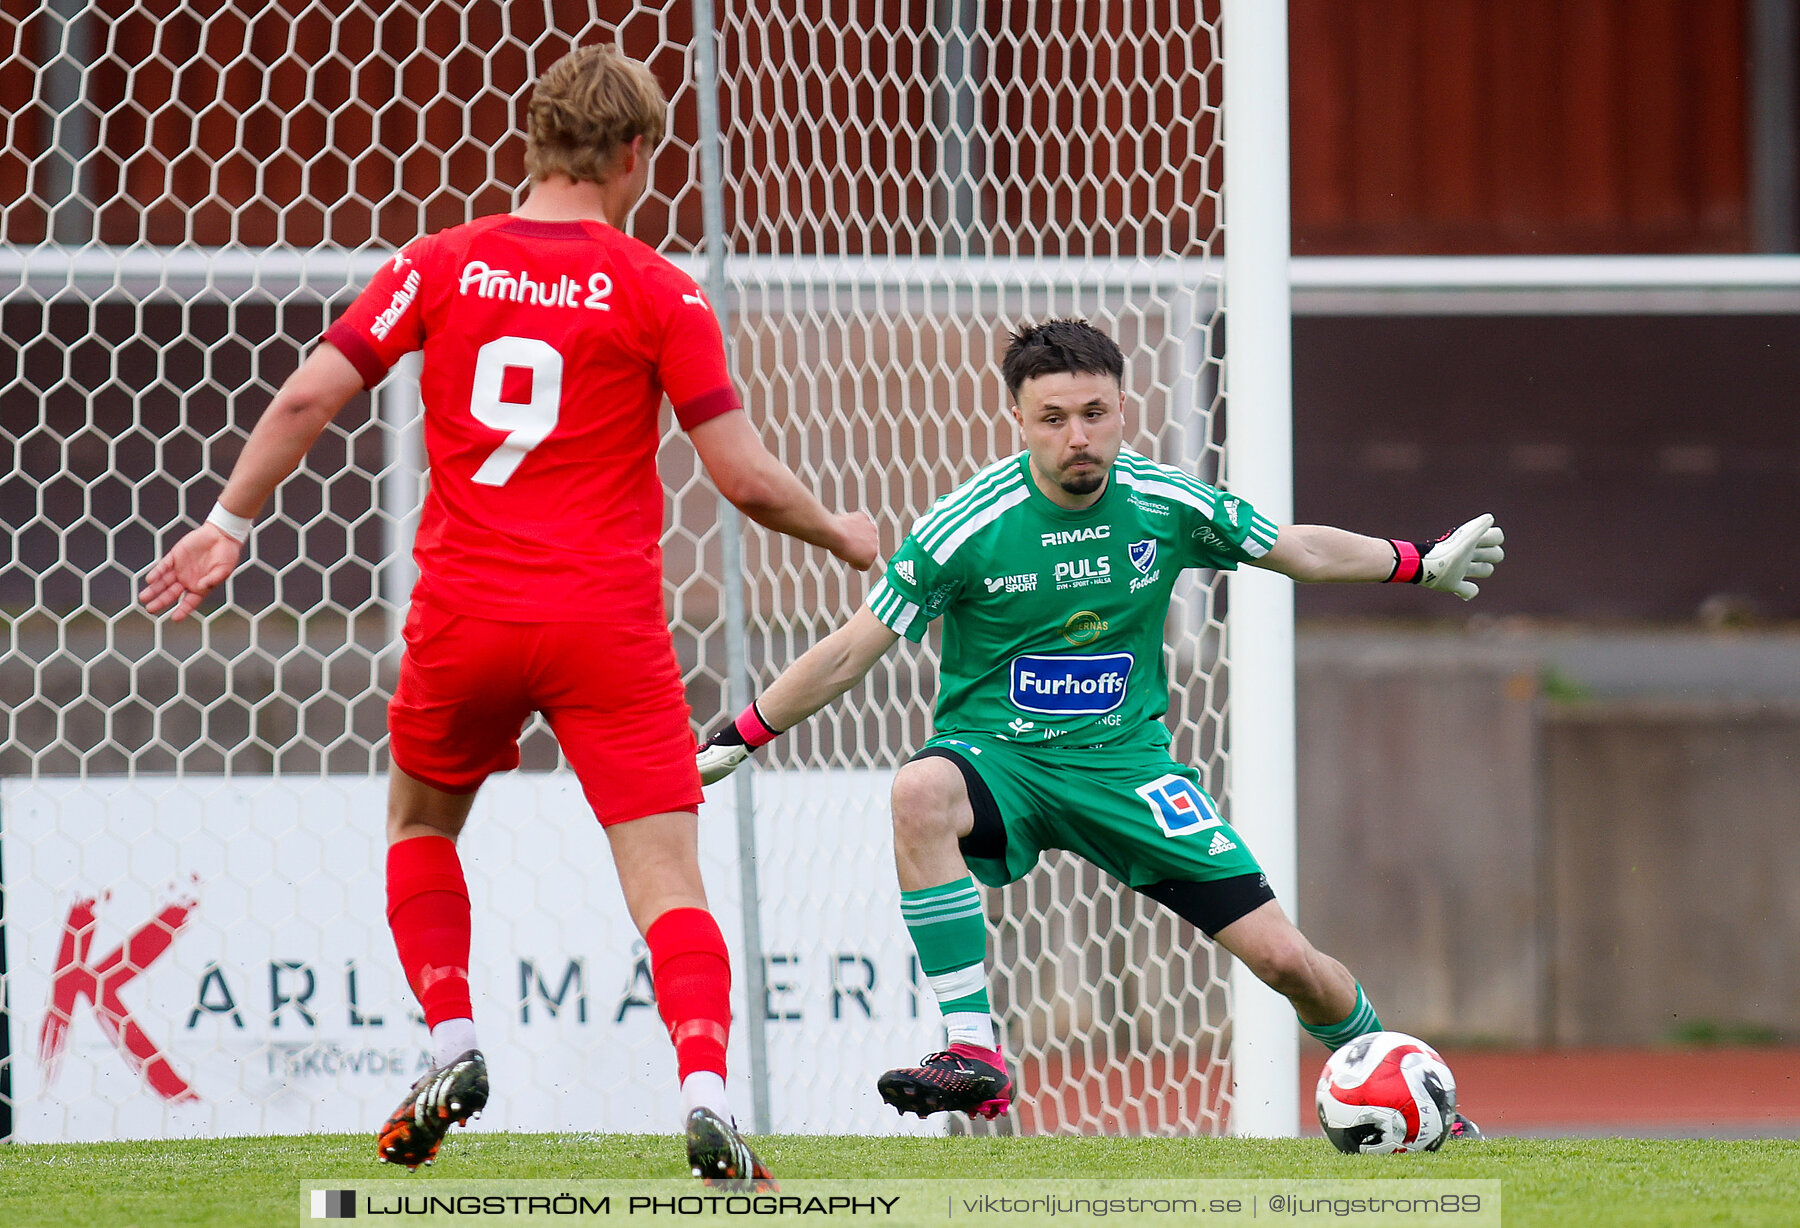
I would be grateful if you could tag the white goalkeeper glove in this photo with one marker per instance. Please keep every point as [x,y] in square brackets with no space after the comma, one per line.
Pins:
[720,755]
[1452,562]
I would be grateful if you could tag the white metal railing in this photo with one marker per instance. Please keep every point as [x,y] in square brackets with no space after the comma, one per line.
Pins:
[1322,285]
[1549,285]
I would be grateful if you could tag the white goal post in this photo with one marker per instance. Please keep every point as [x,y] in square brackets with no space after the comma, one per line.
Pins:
[189,815]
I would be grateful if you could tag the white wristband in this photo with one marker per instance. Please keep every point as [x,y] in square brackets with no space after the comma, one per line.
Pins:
[236,527]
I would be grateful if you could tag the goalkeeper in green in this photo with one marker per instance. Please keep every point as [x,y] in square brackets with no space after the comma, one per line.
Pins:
[1052,571]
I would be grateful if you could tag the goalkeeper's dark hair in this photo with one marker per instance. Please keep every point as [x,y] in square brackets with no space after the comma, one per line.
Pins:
[1059,347]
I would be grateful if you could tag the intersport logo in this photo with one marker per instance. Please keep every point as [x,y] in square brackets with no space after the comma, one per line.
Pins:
[1023,582]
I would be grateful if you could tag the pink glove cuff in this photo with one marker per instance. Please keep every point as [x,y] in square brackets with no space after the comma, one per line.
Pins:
[1408,564]
[753,728]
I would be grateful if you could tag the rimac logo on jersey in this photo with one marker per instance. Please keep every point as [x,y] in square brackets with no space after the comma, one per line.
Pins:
[1068,537]
[1070,685]
[483,281]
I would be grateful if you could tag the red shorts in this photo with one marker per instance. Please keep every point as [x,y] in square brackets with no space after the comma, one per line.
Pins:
[612,695]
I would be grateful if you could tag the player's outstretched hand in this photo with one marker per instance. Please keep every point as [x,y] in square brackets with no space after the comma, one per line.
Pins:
[197,564]
[1461,556]
[719,756]
[857,540]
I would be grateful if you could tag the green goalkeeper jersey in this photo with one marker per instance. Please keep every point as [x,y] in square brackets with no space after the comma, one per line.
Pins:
[1053,619]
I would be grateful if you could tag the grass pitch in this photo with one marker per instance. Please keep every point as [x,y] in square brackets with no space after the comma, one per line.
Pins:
[258,1181]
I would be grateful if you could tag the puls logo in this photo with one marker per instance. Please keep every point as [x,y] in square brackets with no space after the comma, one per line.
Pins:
[1079,573]
[484,281]
[1207,537]
[1069,537]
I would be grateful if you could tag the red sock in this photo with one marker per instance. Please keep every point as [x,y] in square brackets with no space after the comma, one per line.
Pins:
[428,910]
[691,972]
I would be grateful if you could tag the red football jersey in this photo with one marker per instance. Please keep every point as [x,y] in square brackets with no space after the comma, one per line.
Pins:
[548,348]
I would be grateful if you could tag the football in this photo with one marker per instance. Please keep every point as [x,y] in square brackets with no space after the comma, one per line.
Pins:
[1386,1092]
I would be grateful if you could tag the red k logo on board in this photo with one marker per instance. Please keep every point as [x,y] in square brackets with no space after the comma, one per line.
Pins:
[78,976]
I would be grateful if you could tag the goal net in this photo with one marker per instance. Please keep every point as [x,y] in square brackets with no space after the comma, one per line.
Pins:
[191,814]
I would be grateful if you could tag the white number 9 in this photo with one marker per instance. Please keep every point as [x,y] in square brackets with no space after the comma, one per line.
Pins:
[526,423]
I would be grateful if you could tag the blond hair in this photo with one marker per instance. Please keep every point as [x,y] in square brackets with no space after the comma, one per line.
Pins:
[587,106]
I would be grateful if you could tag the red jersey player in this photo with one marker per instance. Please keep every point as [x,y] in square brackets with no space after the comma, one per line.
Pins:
[550,339]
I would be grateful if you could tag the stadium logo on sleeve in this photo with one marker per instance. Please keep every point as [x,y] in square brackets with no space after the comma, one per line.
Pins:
[403,298]
[1070,685]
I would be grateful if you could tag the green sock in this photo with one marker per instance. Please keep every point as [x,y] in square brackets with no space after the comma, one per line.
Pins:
[949,929]
[1360,1022]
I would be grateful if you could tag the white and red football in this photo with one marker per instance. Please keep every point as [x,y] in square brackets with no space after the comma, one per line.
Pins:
[1386,1092]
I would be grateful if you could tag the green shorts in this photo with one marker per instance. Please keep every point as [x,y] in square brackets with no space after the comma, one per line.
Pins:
[1132,811]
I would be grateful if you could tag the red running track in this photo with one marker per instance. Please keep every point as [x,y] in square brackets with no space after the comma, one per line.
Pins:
[1658,1092]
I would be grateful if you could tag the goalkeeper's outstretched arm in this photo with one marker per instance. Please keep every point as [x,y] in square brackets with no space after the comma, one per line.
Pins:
[824,672]
[1319,553]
